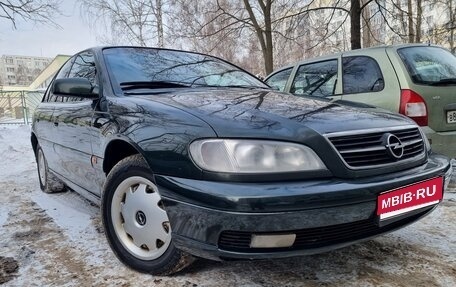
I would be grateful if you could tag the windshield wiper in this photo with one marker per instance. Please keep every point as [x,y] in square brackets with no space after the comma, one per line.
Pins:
[232,86]
[443,82]
[151,85]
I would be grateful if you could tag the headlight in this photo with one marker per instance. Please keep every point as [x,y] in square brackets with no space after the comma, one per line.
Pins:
[253,156]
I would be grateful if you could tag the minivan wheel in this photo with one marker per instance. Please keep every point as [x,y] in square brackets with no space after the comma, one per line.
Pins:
[49,183]
[135,220]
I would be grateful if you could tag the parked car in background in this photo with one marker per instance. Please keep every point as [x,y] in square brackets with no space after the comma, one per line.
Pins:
[191,156]
[416,80]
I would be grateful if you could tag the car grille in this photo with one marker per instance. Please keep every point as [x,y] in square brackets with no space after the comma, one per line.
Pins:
[368,149]
[314,237]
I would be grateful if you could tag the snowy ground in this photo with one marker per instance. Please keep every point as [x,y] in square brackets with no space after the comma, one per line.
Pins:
[57,240]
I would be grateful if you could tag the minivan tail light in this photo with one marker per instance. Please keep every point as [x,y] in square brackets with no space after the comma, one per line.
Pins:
[413,106]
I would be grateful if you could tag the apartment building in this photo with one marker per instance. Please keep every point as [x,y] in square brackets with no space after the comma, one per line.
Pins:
[21,70]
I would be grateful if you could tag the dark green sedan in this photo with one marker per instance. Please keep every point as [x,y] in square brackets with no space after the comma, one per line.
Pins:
[190,156]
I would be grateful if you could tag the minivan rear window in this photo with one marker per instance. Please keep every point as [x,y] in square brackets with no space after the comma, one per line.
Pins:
[429,65]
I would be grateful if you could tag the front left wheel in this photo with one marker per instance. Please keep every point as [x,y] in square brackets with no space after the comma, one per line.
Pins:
[135,220]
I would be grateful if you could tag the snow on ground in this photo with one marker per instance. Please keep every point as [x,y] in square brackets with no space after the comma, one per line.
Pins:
[57,240]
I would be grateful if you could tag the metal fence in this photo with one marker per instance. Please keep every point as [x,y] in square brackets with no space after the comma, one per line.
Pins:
[17,107]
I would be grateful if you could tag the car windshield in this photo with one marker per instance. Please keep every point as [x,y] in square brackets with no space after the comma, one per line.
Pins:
[429,65]
[146,68]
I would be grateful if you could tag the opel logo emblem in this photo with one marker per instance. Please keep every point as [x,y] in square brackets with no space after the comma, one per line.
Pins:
[393,145]
[140,218]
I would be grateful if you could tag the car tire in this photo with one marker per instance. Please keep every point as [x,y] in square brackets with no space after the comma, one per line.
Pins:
[49,183]
[135,221]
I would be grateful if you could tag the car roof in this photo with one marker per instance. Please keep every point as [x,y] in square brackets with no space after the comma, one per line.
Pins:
[351,52]
[103,47]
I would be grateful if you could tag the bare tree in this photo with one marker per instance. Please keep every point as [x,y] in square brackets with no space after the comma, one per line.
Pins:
[419,16]
[433,21]
[277,26]
[411,33]
[447,30]
[452,24]
[255,33]
[39,11]
[138,22]
[268,21]
[355,24]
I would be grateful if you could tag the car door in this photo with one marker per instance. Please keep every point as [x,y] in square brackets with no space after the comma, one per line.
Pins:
[73,118]
[371,80]
[43,128]
[43,124]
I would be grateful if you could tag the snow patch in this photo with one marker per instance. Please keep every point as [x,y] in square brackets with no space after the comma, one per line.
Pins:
[3,215]
[69,211]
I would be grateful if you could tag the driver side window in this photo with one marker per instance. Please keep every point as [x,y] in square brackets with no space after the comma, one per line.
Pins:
[316,79]
[279,79]
[84,67]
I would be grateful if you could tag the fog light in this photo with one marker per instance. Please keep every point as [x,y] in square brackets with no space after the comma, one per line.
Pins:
[272,241]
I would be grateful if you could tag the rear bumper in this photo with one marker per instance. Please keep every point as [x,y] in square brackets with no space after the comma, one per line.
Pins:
[215,220]
[442,142]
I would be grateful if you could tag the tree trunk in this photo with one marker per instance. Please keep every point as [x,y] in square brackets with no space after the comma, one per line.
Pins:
[269,57]
[159,16]
[264,36]
[452,26]
[367,34]
[410,21]
[419,15]
[355,24]
[403,30]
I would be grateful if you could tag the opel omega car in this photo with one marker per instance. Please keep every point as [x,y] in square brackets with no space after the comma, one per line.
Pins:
[190,156]
[416,80]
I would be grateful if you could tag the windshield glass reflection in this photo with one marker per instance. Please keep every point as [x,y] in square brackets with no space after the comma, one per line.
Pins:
[146,68]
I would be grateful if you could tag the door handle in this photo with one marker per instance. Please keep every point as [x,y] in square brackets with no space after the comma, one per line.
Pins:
[56,124]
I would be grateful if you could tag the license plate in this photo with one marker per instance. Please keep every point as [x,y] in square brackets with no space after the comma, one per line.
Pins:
[405,199]
[451,117]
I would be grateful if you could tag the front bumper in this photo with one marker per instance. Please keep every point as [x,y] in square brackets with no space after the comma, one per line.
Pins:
[215,220]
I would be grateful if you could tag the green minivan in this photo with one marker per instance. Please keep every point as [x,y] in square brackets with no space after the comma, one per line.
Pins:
[416,80]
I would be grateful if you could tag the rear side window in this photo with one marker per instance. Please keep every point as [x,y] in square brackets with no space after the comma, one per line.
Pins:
[279,79]
[316,79]
[429,65]
[361,74]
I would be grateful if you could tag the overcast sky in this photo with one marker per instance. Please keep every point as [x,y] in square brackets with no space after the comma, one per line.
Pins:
[30,39]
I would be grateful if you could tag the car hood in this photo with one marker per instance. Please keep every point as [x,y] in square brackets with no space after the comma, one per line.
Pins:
[236,112]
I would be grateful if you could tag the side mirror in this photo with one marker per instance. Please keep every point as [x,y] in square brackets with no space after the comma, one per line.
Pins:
[78,87]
